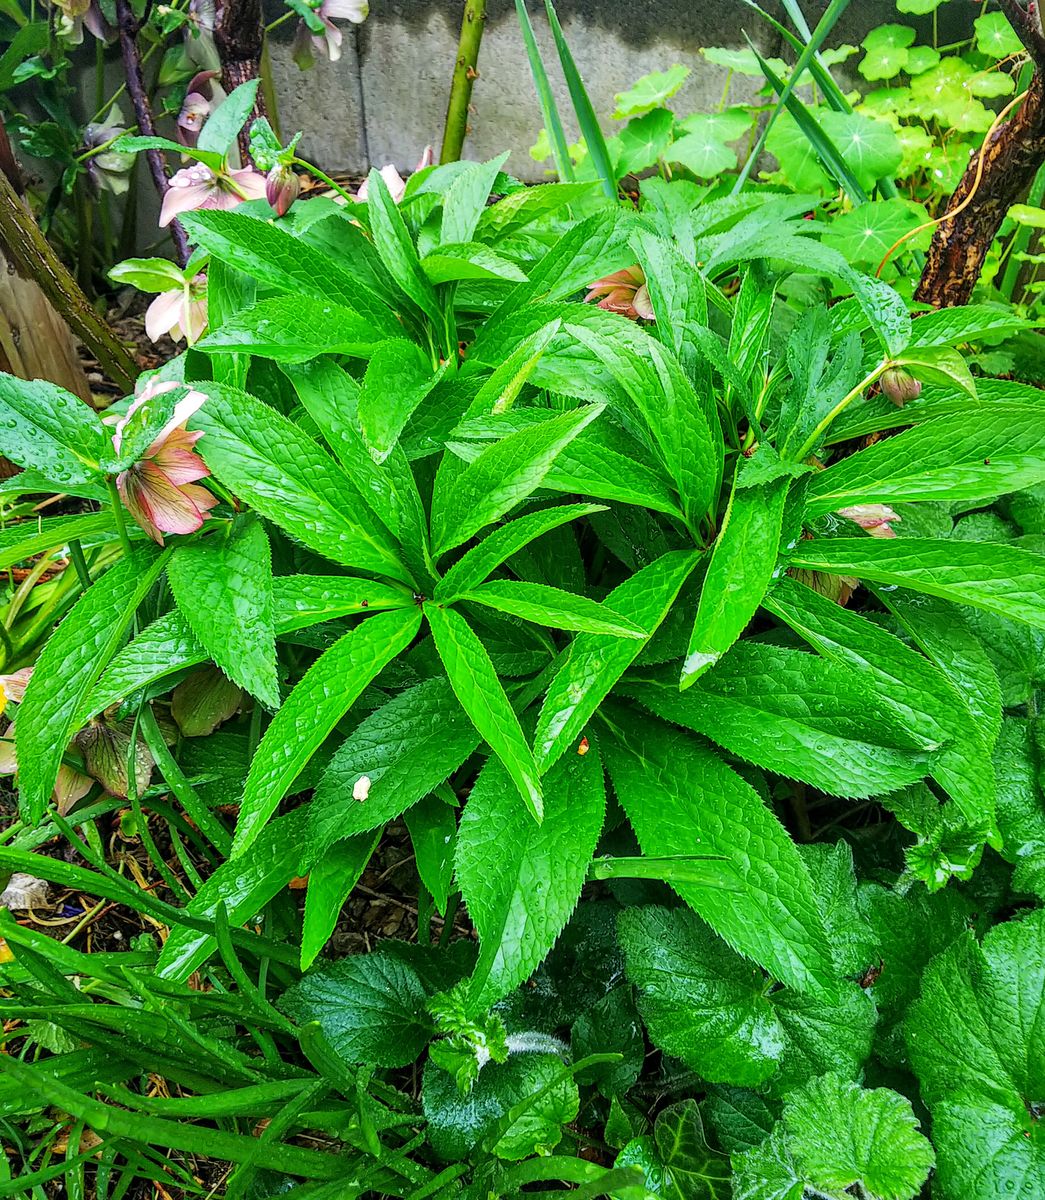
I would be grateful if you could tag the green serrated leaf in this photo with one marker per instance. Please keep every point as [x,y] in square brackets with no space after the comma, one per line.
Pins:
[475,683]
[326,692]
[223,585]
[682,799]
[742,563]
[520,908]
[68,668]
[594,662]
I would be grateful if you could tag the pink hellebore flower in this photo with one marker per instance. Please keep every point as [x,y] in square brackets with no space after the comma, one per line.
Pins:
[623,292]
[158,490]
[395,183]
[199,187]
[328,43]
[874,518]
[181,312]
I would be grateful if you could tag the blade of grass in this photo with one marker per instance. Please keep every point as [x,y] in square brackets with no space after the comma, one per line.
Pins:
[825,148]
[549,109]
[784,91]
[586,118]
[822,77]
[198,1139]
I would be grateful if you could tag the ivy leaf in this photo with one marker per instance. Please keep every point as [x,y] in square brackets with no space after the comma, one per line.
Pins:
[371,1008]
[651,91]
[695,1170]
[976,1042]
[520,908]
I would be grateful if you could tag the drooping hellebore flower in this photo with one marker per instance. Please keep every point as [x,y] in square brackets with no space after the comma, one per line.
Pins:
[623,292]
[200,187]
[900,386]
[159,489]
[181,312]
[282,188]
[308,44]
[874,518]
[197,106]
[108,169]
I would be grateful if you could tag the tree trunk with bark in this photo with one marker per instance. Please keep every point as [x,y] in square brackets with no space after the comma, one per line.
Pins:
[1011,157]
[240,37]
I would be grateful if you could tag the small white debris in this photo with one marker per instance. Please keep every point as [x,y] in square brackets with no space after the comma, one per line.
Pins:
[361,788]
[24,892]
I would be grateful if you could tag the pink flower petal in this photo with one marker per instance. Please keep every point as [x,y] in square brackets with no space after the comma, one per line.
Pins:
[355,11]
[250,183]
[14,685]
[185,199]
[158,505]
[332,40]
[180,466]
[163,315]
[642,303]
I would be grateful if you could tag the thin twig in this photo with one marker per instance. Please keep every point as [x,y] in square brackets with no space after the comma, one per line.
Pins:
[132,65]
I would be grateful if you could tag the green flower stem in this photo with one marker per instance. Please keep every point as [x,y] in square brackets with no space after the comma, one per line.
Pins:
[324,178]
[841,406]
[117,512]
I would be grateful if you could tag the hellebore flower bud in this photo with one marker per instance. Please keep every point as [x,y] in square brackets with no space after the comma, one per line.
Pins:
[900,386]
[282,187]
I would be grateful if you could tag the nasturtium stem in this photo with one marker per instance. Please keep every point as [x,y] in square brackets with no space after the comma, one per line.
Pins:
[841,406]
[117,514]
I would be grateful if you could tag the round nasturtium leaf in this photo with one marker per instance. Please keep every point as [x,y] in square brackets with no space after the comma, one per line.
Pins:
[869,146]
[869,232]
[886,51]
[918,7]
[995,37]
[921,59]
[649,92]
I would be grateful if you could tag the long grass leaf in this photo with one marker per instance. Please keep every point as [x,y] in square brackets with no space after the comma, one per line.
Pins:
[549,109]
[582,106]
[825,148]
[784,91]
